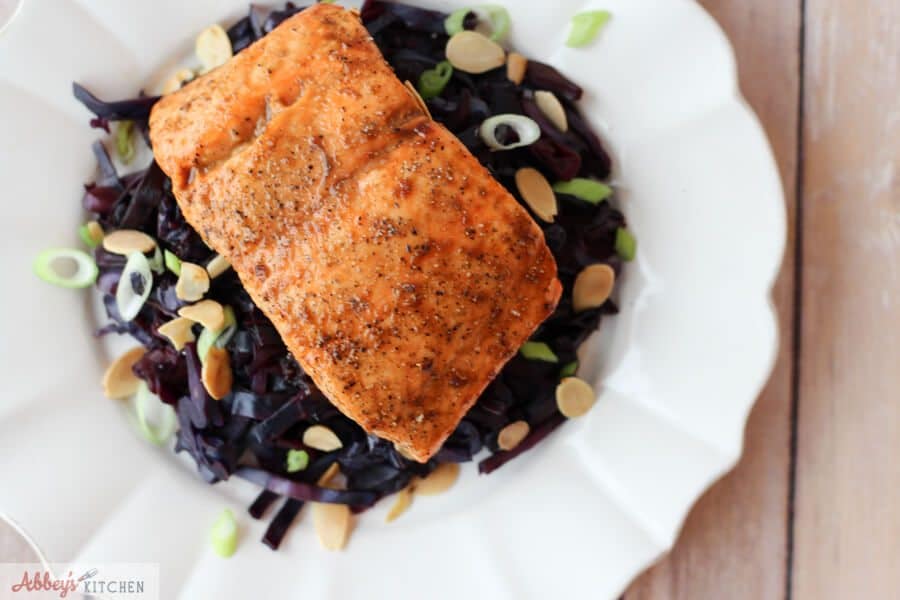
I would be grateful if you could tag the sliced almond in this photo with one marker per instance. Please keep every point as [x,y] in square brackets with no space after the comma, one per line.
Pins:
[512,435]
[95,232]
[217,265]
[404,499]
[438,481]
[193,282]
[516,64]
[592,287]
[574,397]
[178,331]
[332,523]
[417,97]
[126,241]
[321,438]
[119,381]
[471,52]
[537,193]
[330,473]
[405,453]
[208,313]
[552,109]
[213,47]
[177,80]
[216,373]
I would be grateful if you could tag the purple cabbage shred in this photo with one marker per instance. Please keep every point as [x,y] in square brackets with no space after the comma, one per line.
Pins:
[273,401]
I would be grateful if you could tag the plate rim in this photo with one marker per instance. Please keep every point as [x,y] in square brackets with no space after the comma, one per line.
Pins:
[766,366]
[738,99]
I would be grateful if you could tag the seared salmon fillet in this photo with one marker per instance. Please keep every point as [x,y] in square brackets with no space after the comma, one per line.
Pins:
[399,273]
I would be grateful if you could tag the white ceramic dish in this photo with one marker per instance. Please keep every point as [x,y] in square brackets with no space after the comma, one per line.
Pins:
[580,515]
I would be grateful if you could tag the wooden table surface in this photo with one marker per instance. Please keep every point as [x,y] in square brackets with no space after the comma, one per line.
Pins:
[812,511]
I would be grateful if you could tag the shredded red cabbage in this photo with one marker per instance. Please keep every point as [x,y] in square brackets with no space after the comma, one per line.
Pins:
[249,432]
[134,109]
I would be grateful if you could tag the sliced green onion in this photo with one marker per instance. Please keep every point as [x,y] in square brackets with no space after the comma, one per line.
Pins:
[124,141]
[220,338]
[586,189]
[85,273]
[205,342]
[586,26]
[173,263]
[156,420]
[538,351]
[85,236]
[498,18]
[433,81]
[455,22]
[223,535]
[626,245]
[569,369]
[495,16]
[527,130]
[297,460]
[91,234]
[156,262]
[129,300]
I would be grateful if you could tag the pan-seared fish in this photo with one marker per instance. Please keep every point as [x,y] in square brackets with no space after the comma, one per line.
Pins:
[399,273]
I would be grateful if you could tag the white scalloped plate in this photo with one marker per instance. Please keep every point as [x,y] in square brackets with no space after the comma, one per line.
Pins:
[584,512]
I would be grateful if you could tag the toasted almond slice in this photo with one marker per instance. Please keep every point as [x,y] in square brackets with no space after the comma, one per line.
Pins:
[177,80]
[119,381]
[417,97]
[592,287]
[537,193]
[574,397]
[217,265]
[439,481]
[216,373]
[193,282]
[516,65]
[404,499]
[178,331]
[126,241]
[208,313]
[321,438]
[512,435]
[552,109]
[213,47]
[471,52]
[405,453]
[95,232]
[330,473]
[332,523]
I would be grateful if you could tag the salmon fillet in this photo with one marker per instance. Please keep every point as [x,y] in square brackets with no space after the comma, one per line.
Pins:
[399,273]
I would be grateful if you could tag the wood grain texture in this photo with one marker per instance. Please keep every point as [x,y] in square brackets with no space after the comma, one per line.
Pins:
[847,526]
[733,544]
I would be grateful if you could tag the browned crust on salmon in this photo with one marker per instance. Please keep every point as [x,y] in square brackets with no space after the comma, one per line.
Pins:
[399,273]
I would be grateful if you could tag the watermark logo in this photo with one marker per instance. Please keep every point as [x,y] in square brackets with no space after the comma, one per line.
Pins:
[107,581]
